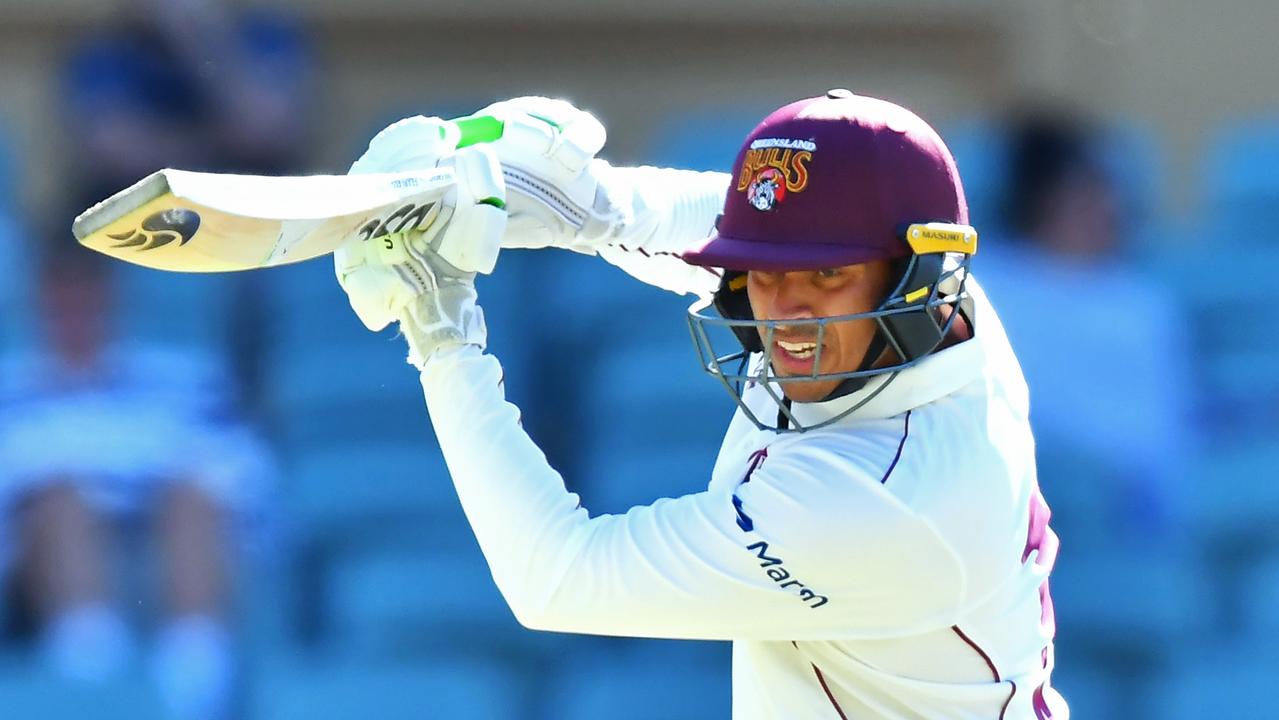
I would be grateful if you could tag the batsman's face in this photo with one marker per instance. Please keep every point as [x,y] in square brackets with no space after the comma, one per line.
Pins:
[807,295]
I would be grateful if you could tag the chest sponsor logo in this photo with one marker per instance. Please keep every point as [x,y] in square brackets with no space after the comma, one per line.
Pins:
[773,566]
[777,572]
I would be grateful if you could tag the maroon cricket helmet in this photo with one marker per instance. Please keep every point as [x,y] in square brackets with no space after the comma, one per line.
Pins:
[831,181]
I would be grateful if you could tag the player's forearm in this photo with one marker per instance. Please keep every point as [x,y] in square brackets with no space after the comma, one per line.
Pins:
[526,522]
[668,211]
[640,219]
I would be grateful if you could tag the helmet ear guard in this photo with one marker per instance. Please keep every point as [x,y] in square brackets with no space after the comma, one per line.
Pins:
[915,334]
[732,302]
[926,280]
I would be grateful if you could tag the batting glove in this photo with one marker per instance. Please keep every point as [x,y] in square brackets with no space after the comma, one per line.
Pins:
[558,192]
[561,195]
[424,278]
[446,314]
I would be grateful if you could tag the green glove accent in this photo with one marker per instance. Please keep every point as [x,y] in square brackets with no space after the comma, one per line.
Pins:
[479,129]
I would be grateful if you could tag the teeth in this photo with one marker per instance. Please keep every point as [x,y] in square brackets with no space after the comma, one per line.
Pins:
[798,349]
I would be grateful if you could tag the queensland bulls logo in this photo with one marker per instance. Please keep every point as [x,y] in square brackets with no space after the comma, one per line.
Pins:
[766,190]
[159,229]
[772,169]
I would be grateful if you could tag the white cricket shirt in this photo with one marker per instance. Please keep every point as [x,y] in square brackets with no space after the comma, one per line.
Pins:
[890,565]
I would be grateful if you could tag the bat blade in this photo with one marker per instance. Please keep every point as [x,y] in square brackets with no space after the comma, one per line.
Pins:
[186,221]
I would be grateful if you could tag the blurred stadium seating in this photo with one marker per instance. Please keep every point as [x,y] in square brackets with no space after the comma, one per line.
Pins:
[706,139]
[1230,264]
[447,686]
[383,594]
[377,602]
[31,692]
[981,153]
[15,325]
[637,680]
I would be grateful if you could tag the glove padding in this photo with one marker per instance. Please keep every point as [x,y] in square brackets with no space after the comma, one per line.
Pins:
[555,196]
[383,276]
[435,302]
[446,314]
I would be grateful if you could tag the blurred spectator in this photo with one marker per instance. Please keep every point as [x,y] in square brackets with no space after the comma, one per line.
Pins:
[190,84]
[103,441]
[1103,347]
[197,85]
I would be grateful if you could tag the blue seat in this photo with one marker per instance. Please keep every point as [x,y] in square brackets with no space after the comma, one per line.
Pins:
[1115,629]
[980,148]
[1140,601]
[304,307]
[704,139]
[1231,679]
[182,309]
[17,326]
[1233,502]
[1241,163]
[1090,690]
[1225,279]
[1226,275]
[642,680]
[518,301]
[28,691]
[656,422]
[364,392]
[361,489]
[446,687]
[1136,163]
[326,378]
[1261,601]
[396,601]
[652,420]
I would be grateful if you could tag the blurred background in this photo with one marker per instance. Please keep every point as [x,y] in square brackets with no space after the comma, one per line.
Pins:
[220,498]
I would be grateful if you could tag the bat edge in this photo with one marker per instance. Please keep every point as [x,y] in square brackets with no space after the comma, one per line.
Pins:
[99,216]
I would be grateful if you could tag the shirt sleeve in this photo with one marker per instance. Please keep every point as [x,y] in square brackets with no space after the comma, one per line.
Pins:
[670,211]
[807,549]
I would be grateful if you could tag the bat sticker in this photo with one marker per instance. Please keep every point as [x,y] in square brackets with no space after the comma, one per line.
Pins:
[409,217]
[159,229]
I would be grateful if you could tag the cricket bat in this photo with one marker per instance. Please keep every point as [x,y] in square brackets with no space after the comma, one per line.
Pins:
[185,221]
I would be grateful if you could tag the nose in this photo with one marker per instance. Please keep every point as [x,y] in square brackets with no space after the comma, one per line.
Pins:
[793,300]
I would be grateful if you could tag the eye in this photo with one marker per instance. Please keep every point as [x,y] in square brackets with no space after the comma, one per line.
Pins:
[828,273]
[762,277]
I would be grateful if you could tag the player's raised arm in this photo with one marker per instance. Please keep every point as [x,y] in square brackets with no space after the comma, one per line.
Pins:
[806,544]
[559,194]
